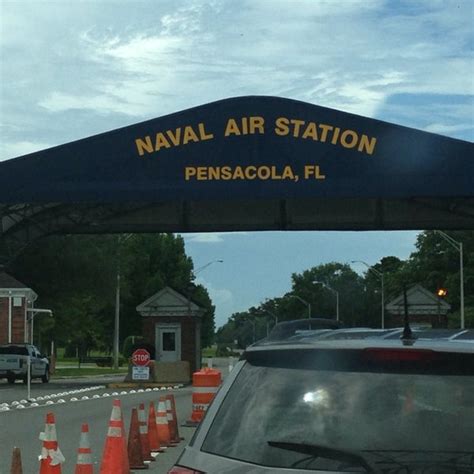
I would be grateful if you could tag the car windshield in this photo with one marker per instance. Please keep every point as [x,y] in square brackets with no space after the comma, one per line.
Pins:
[389,416]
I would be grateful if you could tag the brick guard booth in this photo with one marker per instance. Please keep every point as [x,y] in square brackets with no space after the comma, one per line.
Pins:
[15,300]
[172,324]
[424,308]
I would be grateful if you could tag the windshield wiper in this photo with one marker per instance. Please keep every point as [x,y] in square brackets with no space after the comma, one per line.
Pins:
[319,450]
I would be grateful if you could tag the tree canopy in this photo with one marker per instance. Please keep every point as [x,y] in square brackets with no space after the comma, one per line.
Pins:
[433,264]
[76,277]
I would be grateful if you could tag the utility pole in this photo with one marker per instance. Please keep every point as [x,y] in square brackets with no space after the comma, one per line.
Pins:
[120,241]
[458,246]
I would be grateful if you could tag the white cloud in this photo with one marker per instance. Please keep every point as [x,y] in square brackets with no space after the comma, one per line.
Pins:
[222,299]
[210,237]
[445,129]
[208,50]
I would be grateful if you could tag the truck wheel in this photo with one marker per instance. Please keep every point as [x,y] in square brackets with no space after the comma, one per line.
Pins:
[45,377]
[11,379]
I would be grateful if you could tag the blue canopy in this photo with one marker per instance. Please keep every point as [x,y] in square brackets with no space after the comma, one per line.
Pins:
[247,147]
[245,163]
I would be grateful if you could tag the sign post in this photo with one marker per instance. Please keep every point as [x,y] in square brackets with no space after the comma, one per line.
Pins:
[141,361]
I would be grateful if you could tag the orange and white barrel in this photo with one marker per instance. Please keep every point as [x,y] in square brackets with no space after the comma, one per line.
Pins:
[206,383]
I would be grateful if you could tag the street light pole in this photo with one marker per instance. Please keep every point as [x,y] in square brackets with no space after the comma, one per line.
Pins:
[380,275]
[33,312]
[304,302]
[458,246]
[273,315]
[120,241]
[334,291]
[200,269]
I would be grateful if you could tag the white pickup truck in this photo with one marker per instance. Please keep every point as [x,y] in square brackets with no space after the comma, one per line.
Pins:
[14,363]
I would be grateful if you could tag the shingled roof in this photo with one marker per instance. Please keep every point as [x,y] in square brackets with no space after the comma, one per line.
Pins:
[7,281]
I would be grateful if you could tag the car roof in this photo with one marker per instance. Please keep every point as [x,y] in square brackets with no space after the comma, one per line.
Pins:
[451,340]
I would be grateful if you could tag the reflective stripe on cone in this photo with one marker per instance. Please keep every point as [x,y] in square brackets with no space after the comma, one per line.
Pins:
[84,454]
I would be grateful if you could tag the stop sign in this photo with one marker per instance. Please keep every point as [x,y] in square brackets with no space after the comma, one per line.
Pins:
[141,357]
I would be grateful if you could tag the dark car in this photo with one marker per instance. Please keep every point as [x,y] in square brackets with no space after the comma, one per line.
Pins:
[345,400]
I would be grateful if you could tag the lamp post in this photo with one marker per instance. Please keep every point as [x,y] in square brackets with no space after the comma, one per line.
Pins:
[458,246]
[334,291]
[120,240]
[208,264]
[304,302]
[33,312]
[380,275]
[273,315]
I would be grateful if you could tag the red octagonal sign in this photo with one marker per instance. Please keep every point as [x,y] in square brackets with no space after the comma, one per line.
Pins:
[141,357]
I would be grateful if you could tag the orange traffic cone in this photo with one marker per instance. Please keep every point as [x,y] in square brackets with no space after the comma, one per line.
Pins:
[51,456]
[84,454]
[135,455]
[115,457]
[172,422]
[152,431]
[175,416]
[16,462]
[146,451]
[162,426]
[126,463]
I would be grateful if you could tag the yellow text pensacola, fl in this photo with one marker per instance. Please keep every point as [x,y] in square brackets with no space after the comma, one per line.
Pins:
[251,172]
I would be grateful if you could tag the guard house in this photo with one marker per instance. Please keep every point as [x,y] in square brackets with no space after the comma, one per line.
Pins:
[15,299]
[424,308]
[172,323]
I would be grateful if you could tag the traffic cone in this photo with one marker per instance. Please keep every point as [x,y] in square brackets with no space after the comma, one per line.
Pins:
[172,419]
[51,456]
[126,464]
[115,457]
[135,455]
[175,416]
[162,426]
[84,454]
[16,462]
[152,431]
[146,451]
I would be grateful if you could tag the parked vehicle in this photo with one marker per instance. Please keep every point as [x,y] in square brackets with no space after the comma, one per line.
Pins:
[346,400]
[14,363]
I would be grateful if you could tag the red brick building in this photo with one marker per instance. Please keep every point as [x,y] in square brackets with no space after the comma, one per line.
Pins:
[424,308]
[15,299]
[172,324]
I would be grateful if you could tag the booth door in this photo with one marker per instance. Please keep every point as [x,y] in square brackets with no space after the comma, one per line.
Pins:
[168,343]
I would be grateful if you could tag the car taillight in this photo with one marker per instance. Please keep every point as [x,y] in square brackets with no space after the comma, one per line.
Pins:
[183,470]
[401,355]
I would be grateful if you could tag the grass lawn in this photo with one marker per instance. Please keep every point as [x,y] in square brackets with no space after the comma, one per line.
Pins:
[209,351]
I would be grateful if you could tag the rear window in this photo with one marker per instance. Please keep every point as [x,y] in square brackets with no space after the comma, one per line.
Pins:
[411,410]
[17,350]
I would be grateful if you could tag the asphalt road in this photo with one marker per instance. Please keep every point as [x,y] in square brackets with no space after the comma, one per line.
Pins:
[21,427]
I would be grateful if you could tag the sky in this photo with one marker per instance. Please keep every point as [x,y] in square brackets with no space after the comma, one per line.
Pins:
[69,70]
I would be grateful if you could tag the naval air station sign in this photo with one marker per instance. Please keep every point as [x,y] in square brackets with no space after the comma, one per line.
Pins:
[247,163]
